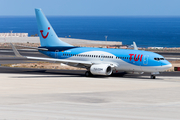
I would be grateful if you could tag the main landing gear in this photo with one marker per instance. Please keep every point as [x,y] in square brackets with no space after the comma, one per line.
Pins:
[88,74]
[153,77]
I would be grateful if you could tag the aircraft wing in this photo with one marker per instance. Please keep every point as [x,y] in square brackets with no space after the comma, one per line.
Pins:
[67,62]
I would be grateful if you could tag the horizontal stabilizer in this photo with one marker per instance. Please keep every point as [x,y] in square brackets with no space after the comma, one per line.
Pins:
[15,51]
[44,49]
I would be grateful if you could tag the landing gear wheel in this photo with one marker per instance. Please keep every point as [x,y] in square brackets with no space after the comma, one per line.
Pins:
[153,77]
[111,74]
[88,74]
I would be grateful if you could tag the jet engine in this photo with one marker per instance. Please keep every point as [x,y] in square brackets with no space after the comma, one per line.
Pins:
[101,69]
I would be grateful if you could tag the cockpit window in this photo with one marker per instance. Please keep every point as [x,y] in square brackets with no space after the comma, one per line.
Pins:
[158,59]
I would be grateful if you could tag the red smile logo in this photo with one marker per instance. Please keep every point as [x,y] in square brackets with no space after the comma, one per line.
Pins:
[46,34]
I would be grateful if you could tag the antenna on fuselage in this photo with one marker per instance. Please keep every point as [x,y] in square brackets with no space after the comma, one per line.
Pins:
[135,46]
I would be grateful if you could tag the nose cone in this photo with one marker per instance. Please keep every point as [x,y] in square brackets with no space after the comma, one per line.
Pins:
[166,65]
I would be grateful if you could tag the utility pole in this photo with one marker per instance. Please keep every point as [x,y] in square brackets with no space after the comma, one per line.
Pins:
[11,34]
[106,38]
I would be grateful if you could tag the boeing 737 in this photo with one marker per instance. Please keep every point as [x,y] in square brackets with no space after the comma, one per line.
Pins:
[97,61]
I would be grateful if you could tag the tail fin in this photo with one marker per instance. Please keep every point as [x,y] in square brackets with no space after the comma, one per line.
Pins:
[47,34]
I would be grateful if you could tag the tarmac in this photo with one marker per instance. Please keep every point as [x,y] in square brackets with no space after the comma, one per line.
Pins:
[74,97]
[39,94]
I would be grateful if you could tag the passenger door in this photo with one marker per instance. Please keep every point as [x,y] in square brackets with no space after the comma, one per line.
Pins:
[56,53]
[145,60]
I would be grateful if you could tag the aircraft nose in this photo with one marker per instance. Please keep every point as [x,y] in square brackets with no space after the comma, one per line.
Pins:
[169,65]
[166,65]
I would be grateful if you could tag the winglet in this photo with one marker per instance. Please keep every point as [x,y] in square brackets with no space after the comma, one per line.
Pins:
[15,51]
[135,46]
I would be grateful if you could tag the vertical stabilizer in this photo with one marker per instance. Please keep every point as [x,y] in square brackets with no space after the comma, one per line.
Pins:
[47,35]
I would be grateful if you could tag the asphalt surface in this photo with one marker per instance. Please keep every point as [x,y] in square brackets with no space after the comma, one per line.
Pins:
[46,94]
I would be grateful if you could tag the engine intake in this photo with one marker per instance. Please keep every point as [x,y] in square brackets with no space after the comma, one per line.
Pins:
[101,69]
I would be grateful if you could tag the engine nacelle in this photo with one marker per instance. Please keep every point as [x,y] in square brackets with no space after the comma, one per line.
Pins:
[101,69]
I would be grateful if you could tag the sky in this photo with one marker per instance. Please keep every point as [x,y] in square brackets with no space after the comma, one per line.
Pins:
[91,7]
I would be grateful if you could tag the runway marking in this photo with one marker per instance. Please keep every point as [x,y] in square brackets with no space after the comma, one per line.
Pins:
[172,58]
[6,51]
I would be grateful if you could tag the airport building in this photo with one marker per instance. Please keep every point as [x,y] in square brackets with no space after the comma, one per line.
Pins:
[13,34]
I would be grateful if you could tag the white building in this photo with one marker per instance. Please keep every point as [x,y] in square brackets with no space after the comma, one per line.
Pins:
[13,34]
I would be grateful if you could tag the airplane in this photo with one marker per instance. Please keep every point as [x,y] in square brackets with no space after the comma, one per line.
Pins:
[97,61]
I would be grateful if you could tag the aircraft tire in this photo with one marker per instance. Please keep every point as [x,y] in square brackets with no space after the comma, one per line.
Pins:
[153,77]
[88,74]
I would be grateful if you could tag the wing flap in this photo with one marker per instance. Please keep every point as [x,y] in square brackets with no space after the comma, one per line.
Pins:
[67,62]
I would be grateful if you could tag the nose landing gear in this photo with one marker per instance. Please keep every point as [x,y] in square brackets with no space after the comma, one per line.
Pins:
[153,75]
